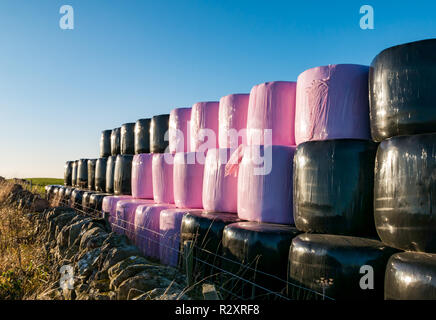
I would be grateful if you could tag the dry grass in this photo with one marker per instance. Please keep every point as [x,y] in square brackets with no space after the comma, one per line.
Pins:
[22,258]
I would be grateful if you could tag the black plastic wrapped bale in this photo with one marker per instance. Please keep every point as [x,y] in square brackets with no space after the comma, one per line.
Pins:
[411,276]
[96,201]
[405,192]
[105,143]
[82,173]
[402,95]
[91,173]
[333,187]
[252,250]
[85,201]
[68,172]
[61,195]
[115,141]
[127,138]
[76,199]
[337,267]
[142,136]
[204,233]
[158,128]
[67,196]
[100,174]
[110,172]
[123,175]
[74,174]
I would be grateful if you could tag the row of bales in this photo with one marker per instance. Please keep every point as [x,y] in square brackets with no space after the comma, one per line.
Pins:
[328,187]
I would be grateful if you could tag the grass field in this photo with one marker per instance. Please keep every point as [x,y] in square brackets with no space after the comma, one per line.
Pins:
[40,183]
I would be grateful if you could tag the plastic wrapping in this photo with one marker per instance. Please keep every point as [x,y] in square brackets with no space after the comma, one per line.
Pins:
[115,141]
[205,230]
[127,138]
[332,264]
[91,173]
[142,136]
[188,180]
[162,168]
[405,192]
[263,247]
[332,103]
[124,222]
[74,173]
[76,199]
[142,180]
[67,195]
[401,90]
[100,174]
[86,196]
[110,173]
[233,120]
[123,175]
[96,201]
[179,130]
[169,243]
[204,115]
[82,173]
[265,188]
[68,171]
[147,230]
[158,128]
[105,143]
[109,206]
[220,192]
[271,107]
[411,276]
[334,186]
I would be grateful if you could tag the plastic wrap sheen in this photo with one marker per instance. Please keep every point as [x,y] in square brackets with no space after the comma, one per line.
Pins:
[123,175]
[179,130]
[74,173]
[405,192]
[96,201]
[204,115]
[188,180]
[124,220]
[82,173]
[68,171]
[158,128]
[110,172]
[271,107]
[263,247]
[411,276]
[332,103]
[333,263]
[401,90]
[265,190]
[109,206]
[233,120]
[127,138]
[220,192]
[142,179]
[100,174]
[91,173]
[334,186]
[142,136]
[162,172]
[115,141]
[105,143]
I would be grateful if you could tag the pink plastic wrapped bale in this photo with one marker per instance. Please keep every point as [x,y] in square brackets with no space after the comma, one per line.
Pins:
[204,126]
[163,191]
[147,230]
[142,178]
[332,103]
[271,114]
[219,190]
[265,184]
[233,120]
[110,204]
[179,130]
[188,179]
[125,216]
[169,244]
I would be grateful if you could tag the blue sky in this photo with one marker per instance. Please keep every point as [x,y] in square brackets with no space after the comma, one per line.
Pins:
[129,59]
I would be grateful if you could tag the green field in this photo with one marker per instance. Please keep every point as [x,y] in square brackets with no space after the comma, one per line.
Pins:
[45,181]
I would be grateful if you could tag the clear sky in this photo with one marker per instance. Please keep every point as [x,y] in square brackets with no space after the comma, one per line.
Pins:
[129,59]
